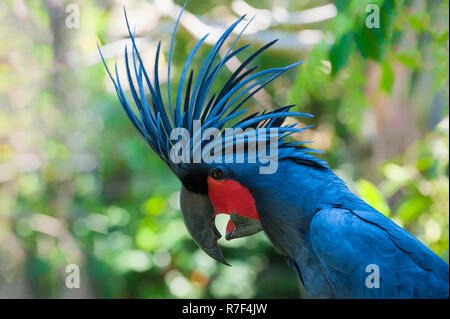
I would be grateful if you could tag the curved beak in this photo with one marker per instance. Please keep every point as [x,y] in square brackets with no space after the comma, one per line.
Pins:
[242,227]
[198,215]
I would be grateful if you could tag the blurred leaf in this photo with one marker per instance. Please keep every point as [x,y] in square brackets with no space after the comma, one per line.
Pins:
[419,20]
[410,58]
[153,206]
[370,193]
[387,76]
[147,239]
[341,51]
[412,207]
[372,42]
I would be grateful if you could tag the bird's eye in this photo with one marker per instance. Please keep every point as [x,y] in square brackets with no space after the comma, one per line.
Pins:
[217,173]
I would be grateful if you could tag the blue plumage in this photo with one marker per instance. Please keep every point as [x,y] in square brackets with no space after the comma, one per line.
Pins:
[348,242]
[329,236]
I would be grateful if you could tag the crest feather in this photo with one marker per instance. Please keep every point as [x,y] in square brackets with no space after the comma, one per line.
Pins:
[214,110]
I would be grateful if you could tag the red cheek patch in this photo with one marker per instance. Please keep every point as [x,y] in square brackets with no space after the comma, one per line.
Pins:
[228,196]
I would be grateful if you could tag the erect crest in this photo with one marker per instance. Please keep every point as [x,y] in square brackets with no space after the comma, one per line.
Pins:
[195,102]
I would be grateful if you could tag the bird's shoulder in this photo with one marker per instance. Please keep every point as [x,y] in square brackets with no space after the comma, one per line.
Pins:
[349,242]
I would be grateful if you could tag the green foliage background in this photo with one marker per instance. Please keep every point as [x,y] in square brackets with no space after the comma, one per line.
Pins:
[79,186]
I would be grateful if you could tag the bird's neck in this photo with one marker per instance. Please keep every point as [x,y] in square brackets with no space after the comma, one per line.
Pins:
[286,215]
[289,201]
[314,189]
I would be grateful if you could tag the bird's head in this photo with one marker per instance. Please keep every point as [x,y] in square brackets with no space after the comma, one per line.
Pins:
[208,190]
[216,166]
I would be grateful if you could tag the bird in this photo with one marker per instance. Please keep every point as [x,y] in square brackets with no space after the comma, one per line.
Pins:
[337,244]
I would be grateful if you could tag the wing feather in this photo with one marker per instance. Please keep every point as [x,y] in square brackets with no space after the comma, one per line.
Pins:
[348,242]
